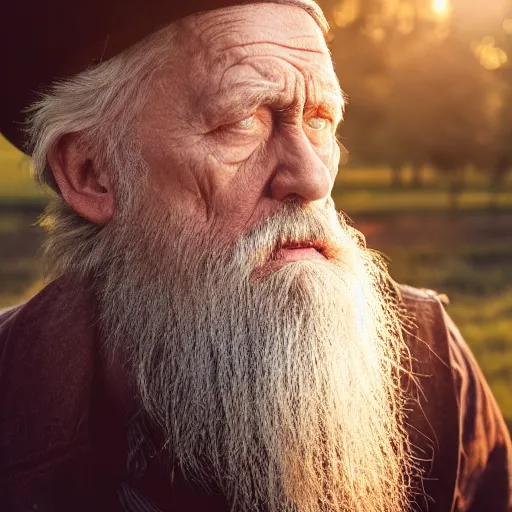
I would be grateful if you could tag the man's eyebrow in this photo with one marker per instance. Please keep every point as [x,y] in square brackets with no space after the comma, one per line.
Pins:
[332,100]
[334,97]
[250,97]
[334,103]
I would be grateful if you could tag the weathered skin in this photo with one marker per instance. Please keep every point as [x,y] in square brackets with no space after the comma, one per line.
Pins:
[241,120]
[230,130]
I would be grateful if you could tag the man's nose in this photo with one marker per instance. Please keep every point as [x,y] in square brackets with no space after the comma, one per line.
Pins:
[300,173]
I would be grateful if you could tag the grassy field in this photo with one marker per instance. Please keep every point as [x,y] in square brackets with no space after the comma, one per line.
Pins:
[466,254]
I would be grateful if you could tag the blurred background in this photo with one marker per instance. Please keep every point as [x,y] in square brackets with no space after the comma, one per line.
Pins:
[428,178]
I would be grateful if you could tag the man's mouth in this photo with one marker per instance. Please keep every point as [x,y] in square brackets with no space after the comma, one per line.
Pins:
[289,251]
[297,251]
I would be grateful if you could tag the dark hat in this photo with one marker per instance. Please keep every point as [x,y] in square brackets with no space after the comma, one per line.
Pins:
[44,40]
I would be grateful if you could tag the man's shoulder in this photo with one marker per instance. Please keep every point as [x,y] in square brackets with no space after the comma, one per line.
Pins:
[55,325]
[47,371]
[47,356]
[49,309]
[456,409]
[412,295]
[425,318]
[56,321]
[434,415]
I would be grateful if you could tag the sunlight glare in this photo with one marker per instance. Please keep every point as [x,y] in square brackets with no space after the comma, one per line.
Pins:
[440,6]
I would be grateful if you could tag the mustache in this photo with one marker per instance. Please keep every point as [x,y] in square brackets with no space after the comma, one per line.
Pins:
[296,226]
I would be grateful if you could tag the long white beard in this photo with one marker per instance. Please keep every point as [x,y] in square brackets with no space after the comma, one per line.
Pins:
[282,390]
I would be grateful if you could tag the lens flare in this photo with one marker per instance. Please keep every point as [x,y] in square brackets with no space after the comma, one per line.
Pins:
[440,6]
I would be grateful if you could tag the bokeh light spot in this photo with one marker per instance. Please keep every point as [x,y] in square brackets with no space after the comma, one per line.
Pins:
[440,6]
[491,57]
[507,26]
[345,13]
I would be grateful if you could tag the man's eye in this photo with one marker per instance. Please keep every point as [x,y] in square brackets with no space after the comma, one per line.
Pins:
[247,123]
[318,123]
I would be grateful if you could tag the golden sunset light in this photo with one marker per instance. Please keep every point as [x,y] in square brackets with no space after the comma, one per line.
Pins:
[255,256]
[440,7]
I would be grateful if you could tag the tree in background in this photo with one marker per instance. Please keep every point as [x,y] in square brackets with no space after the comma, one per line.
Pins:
[501,164]
[425,84]
[437,110]
[501,151]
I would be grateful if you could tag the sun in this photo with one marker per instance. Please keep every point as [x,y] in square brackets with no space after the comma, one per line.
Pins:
[440,6]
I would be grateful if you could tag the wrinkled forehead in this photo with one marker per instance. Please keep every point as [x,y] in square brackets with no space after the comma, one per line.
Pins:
[221,40]
[280,24]
[223,37]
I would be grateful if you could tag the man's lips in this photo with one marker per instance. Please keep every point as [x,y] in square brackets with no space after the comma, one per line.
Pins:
[304,253]
[293,251]
[290,252]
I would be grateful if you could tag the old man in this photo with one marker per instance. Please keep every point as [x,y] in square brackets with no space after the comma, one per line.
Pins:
[216,337]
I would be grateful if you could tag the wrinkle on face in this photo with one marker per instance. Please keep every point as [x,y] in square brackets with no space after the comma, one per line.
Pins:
[243,36]
[280,45]
[276,83]
[268,61]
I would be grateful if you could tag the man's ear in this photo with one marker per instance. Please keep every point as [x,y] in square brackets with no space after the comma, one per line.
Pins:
[83,183]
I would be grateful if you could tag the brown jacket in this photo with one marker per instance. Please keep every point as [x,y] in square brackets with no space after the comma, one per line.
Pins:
[63,430]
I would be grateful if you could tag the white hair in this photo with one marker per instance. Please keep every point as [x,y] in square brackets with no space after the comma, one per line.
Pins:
[279,388]
[100,104]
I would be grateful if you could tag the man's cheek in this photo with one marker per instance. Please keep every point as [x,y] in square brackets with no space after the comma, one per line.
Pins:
[327,149]
[227,176]
[232,149]
[207,182]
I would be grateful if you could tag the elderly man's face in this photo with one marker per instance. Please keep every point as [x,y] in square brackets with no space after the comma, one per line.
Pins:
[244,118]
